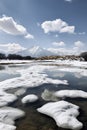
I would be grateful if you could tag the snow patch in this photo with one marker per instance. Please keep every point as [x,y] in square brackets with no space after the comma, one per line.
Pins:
[71,93]
[7,117]
[29,98]
[15,61]
[63,113]
[6,98]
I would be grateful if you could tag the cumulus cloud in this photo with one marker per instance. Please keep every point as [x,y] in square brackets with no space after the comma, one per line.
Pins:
[77,48]
[79,44]
[62,51]
[10,26]
[29,36]
[11,48]
[58,43]
[57,25]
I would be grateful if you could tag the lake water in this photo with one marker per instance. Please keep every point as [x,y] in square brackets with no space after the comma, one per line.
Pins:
[34,120]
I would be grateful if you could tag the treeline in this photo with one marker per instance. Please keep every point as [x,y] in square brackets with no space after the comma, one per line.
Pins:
[19,57]
[15,57]
[84,55]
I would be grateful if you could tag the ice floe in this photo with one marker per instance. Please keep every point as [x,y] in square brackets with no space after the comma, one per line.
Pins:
[63,113]
[49,95]
[7,117]
[20,91]
[71,93]
[29,98]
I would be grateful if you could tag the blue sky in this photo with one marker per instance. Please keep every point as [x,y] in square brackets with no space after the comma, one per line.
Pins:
[46,23]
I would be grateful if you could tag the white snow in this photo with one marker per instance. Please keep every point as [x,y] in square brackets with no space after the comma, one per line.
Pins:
[63,113]
[71,93]
[75,63]
[7,117]
[6,127]
[15,61]
[29,98]
[72,63]
[6,98]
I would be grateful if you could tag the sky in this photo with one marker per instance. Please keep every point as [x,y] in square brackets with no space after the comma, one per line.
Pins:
[50,24]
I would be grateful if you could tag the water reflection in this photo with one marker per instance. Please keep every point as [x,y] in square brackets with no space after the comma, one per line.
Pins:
[4,76]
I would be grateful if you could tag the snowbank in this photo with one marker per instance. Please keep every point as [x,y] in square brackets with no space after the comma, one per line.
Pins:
[14,61]
[74,63]
[29,98]
[71,93]
[63,113]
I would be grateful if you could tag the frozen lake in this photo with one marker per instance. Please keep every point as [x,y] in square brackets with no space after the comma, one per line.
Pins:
[42,79]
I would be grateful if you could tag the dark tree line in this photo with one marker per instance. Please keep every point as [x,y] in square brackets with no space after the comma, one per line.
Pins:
[84,55]
[2,56]
[15,57]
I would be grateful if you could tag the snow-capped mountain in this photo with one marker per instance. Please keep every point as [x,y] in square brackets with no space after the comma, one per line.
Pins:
[37,51]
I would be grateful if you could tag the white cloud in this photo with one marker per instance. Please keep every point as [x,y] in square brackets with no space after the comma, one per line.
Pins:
[79,44]
[62,51]
[29,36]
[11,48]
[58,43]
[77,48]
[68,29]
[8,25]
[57,25]
[68,0]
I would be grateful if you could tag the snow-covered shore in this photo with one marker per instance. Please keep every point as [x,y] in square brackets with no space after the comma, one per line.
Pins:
[15,61]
